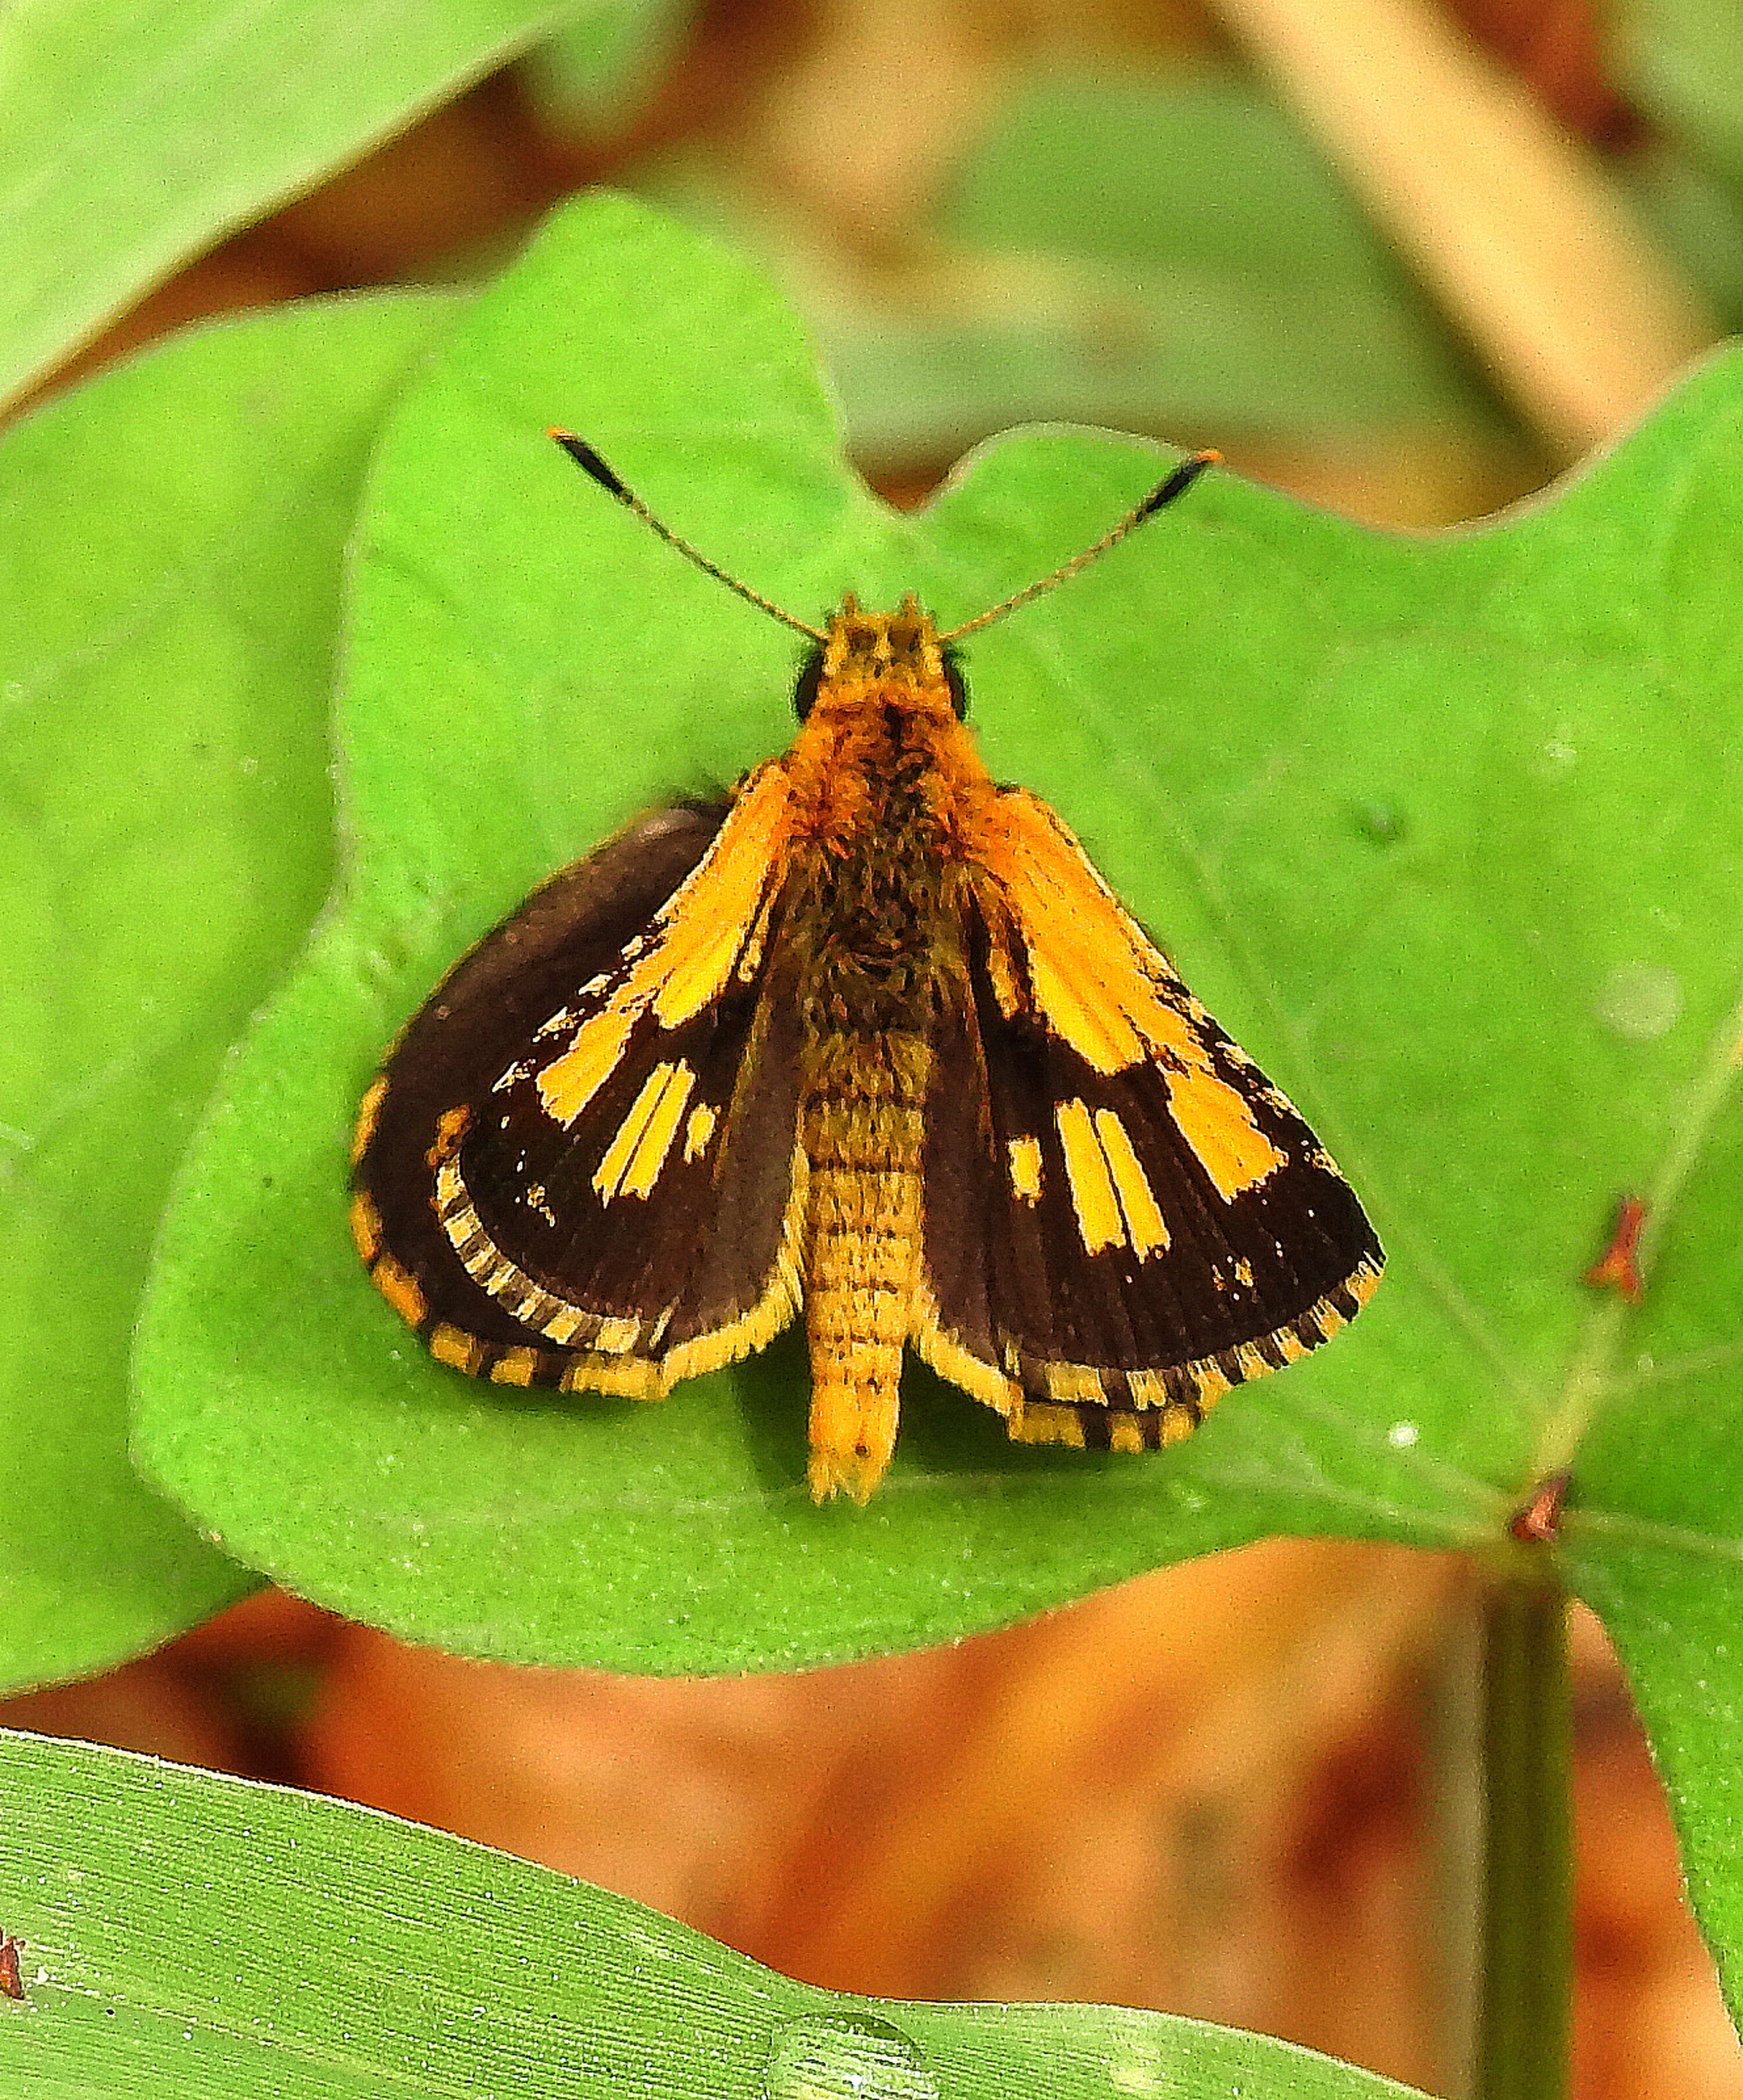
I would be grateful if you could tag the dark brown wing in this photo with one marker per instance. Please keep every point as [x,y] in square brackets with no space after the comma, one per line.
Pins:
[1123,1216]
[576,1166]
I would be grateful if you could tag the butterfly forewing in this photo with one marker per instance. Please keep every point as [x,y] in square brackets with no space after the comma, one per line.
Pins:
[564,1186]
[1153,1220]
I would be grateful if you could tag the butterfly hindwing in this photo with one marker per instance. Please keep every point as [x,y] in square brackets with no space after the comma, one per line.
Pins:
[1124,1217]
[577,1166]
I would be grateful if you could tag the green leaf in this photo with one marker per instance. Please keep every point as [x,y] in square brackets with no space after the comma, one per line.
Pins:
[137,132]
[1695,216]
[170,539]
[186,1933]
[1445,830]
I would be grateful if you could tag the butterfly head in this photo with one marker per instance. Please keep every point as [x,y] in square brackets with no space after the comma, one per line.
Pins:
[901,650]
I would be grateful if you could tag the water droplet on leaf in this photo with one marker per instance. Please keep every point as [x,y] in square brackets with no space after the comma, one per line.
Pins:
[827,2057]
[1640,1000]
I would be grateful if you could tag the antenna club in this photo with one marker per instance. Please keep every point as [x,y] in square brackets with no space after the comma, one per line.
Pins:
[590,463]
[1177,484]
[595,468]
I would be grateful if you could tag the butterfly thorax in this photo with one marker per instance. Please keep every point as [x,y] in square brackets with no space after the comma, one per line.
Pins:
[882,776]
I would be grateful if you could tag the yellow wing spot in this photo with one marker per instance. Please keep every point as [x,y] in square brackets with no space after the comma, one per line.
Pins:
[1290,1345]
[1076,1383]
[625,1378]
[366,1226]
[614,1337]
[1144,1228]
[398,1287]
[635,1156]
[570,1082]
[698,1130]
[756,941]
[1113,1201]
[460,1351]
[451,1126]
[515,1367]
[1211,1381]
[1146,1389]
[1040,1421]
[1001,969]
[367,1111]
[1025,1157]
[1098,1220]
[1216,1122]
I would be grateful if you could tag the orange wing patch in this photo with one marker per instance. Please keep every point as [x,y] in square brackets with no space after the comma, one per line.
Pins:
[710,930]
[1100,984]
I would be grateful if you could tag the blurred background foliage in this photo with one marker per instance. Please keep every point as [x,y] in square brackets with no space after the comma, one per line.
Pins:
[1408,259]
[1412,255]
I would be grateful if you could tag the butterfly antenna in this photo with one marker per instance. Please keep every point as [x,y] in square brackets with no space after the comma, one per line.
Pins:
[1160,498]
[590,463]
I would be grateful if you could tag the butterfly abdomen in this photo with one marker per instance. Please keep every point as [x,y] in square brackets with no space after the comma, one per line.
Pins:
[863,1139]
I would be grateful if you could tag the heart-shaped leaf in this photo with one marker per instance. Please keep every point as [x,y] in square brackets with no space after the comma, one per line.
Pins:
[1445,831]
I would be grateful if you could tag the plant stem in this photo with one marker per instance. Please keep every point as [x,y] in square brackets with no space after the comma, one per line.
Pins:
[1522,2036]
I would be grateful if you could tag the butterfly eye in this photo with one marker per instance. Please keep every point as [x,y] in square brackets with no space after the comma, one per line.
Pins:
[810,677]
[957,684]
